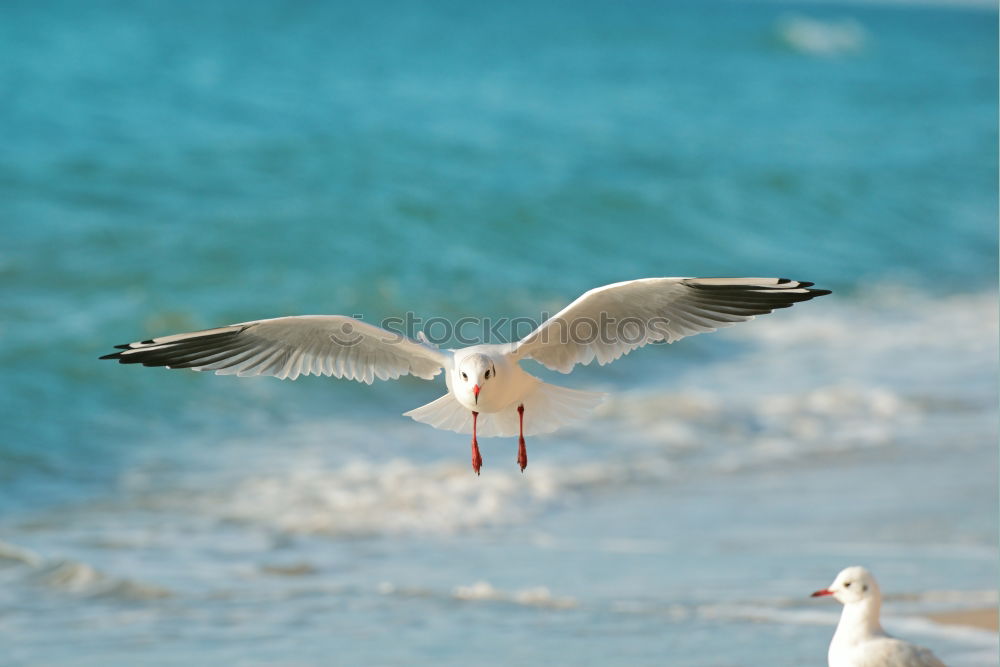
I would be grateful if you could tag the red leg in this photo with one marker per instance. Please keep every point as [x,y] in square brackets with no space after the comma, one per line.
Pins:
[522,452]
[477,460]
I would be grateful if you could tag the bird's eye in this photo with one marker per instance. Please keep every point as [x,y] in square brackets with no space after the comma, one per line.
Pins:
[864,588]
[847,584]
[464,376]
[487,375]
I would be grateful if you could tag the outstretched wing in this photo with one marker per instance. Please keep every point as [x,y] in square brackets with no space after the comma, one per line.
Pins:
[287,347]
[613,320]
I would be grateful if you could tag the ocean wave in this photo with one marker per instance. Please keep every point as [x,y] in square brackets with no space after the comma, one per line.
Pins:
[883,317]
[13,554]
[744,432]
[82,579]
[857,375]
[77,578]
[365,498]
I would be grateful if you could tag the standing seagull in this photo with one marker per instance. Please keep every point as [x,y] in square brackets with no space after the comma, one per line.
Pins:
[860,640]
[489,394]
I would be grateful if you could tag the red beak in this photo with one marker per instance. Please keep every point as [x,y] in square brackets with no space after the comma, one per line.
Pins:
[475,392]
[818,594]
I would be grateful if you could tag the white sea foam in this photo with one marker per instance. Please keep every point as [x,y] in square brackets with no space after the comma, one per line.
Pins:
[483,591]
[854,375]
[747,431]
[394,497]
[530,597]
[891,318]
[824,37]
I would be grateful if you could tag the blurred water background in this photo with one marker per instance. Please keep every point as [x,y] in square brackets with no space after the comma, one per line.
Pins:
[175,166]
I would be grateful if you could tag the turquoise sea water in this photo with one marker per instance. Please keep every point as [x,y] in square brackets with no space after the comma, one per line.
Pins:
[168,167]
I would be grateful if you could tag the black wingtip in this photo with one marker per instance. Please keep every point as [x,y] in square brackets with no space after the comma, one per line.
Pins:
[806,284]
[798,283]
[113,355]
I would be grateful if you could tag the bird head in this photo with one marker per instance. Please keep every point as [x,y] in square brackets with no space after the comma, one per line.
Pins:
[474,373]
[853,584]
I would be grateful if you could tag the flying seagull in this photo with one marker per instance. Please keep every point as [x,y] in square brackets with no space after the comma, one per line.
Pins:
[860,640]
[489,394]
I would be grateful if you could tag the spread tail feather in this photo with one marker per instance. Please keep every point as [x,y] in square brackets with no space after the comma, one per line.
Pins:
[546,408]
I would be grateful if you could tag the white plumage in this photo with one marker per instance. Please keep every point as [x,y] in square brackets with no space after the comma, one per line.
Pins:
[488,391]
[860,640]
